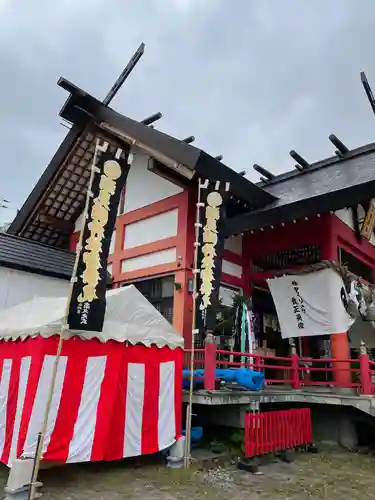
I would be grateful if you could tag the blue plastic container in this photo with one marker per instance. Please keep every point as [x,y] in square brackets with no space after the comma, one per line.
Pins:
[196,435]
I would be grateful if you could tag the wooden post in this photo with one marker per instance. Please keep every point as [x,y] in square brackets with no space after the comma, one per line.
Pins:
[296,383]
[209,363]
[189,410]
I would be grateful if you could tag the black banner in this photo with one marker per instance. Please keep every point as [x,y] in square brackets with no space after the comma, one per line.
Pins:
[210,250]
[88,302]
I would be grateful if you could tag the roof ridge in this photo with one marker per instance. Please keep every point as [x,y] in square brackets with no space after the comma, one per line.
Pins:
[326,162]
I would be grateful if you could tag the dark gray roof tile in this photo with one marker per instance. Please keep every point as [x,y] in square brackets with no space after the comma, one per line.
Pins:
[337,176]
[28,255]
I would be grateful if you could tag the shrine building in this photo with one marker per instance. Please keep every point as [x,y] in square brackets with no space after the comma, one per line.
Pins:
[310,214]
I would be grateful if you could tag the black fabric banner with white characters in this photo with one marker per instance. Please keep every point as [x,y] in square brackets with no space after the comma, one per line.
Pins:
[88,302]
[211,246]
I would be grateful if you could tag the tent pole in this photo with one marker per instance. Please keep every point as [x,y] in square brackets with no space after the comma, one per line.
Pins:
[65,326]
[38,454]
[194,310]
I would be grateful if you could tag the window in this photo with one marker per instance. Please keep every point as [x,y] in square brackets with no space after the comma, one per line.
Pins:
[159,292]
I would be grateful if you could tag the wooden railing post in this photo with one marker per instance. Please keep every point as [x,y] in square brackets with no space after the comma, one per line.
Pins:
[366,381]
[296,383]
[209,363]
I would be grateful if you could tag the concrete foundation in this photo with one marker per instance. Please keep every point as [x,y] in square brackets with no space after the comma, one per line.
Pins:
[334,415]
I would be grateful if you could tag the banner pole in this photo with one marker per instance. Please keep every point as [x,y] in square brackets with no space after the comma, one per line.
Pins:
[194,309]
[65,326]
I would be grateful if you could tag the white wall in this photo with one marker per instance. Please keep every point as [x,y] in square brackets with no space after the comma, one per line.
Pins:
[345,215]
[154,228]
[143,187]
[18,286]
[231,268]
[234,244]
[149,260]
[78,226]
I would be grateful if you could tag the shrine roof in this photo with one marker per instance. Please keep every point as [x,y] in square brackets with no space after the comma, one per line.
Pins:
[324,186]
[27,255]
[49,213]
[31,256]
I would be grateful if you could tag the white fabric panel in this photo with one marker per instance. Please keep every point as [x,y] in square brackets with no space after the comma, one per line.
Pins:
[234,244]
[24,377]
[17,287]
[231,269]
[134,410]
[166,422]
[4,390]
[80,446]
[152,229]
[138,322]
[143,187]
[149,260]
[320,310]
[40,403]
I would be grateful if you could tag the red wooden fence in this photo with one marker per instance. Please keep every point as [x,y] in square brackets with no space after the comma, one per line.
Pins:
[275,431]
[293,371]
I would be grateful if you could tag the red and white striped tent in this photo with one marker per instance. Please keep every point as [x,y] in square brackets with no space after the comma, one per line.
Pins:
[117,394]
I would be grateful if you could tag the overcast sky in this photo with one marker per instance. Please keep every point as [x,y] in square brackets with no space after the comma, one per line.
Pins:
[251,79]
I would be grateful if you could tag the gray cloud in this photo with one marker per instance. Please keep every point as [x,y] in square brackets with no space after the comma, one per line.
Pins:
[251,80]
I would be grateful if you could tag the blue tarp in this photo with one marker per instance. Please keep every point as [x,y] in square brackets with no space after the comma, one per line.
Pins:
[249,379]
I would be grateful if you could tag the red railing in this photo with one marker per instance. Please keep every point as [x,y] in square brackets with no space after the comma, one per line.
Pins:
[274,431]
[294,371]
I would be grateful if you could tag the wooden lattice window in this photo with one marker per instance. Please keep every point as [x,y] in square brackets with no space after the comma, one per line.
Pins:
[301,256]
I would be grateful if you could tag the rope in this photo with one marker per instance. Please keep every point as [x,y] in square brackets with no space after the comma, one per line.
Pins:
[343,271]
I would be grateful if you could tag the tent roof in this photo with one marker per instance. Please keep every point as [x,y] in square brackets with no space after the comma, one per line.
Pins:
[129,318]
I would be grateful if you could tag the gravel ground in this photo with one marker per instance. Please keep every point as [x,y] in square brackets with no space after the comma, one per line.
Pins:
[331,474]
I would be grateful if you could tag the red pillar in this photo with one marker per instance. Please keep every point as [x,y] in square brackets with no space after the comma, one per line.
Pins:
[183,298]
[209,366]
[366,382]
[340,350]
[339,341]
[296,383]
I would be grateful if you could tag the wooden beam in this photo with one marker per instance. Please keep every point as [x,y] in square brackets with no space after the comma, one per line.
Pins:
[189,139]
[151,119]
[124,75]
[263,171]
[370,95]
[298,158]
[339,145]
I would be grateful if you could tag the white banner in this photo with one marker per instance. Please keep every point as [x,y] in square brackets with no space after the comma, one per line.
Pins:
[310,304]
